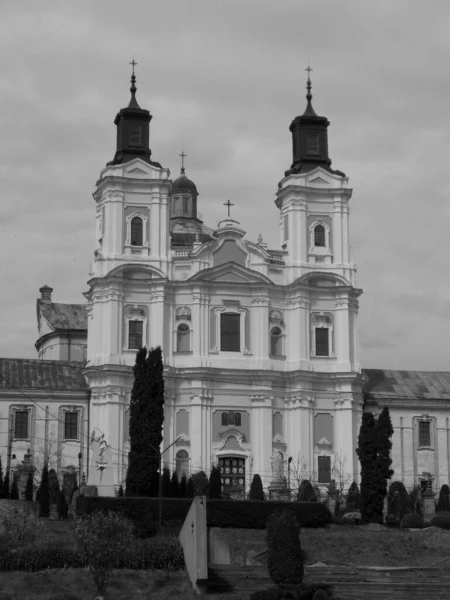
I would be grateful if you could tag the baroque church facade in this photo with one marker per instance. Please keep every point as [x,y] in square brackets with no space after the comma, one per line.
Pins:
[260,345]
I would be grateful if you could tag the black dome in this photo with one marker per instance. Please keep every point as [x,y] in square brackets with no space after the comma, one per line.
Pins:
[184,183]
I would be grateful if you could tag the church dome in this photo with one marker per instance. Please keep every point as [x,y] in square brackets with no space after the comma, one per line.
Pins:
[184,183]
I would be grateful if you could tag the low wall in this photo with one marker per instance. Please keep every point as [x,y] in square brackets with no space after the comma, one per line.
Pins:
[237,546]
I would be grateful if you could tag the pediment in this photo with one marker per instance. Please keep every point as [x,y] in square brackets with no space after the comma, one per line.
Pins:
[230,272]
[319,181]
[142,170]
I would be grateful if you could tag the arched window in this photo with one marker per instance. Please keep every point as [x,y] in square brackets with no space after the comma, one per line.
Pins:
[136,231]
[181,463]
[276,341]
[319,235]
[183,342]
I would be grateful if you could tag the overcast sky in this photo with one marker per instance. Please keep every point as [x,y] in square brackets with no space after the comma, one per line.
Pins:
[227,78]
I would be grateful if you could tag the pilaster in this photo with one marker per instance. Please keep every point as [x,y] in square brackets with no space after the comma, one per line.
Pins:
[261,435]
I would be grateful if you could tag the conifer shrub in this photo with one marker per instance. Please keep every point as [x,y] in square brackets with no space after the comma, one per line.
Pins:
[306,492]
[444,499]
[14,495]
[201,483]
[190,492]
[62,506]
[215,484]
[256,488]
[53,486]
[120,493]
[182,486]
[398,500]
[29,487]
[44,494]
[166,483]
[353,497]
[5,487]
[284,558]
[412,522]
[174,486]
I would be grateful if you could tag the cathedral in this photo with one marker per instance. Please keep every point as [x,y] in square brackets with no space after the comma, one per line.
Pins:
[260,345]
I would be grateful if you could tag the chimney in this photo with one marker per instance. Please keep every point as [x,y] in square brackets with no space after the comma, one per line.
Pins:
[46,294]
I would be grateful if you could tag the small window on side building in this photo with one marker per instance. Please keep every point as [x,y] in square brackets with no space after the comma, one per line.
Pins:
[21,424]
[71,425]
[424,434]
[135,329]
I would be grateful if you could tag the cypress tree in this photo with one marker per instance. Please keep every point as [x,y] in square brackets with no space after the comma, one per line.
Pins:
[353,497]
[44,494]
[444,498]
[5,487]
[182,488]
[174,486]
[146,421]
[29,487]
[166,483]
[215,484]
[384,432]
[367,455]
[201,483]
[53,486]
[62,506]
[398,500]
[14,490]
[256,488]
[1,478]
[120,493]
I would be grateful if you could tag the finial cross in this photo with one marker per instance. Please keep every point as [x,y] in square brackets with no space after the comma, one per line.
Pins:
[183,156]
[228,204]
[309,71]
[133,63]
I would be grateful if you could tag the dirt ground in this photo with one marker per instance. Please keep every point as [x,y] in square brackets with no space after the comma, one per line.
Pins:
[338,545]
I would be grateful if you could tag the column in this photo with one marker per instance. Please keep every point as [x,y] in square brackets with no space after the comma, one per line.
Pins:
[206,431]
[196,322]
[305,330]
[342,341]
[261,436]
[337,231]
[259,328]
[156,317]
[155,225]
[345,234]
[195,432]
[344,442]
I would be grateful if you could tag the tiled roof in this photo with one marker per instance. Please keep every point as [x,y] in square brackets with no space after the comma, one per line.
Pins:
[26,373]
[407,385]
[65,316]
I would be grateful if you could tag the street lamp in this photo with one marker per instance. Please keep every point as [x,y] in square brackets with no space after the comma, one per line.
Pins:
[80,456]
[160,477]
[289,476]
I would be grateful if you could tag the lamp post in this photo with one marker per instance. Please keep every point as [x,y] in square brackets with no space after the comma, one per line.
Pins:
[289,476]
[80,456]
[160,454]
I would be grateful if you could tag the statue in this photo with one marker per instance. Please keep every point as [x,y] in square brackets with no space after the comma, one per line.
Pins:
[101,473]
[277,466]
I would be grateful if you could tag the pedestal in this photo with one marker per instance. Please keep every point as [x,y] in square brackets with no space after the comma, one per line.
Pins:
[279,491]
[429,505]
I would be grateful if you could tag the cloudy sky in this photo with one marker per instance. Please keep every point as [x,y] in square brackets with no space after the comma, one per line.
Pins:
[226,78]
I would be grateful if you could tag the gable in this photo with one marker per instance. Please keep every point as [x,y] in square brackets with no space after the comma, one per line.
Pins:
[141,170]
[231,272]
[229,251]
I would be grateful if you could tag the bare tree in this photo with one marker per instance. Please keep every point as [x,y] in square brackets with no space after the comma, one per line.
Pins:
[298,472]
[340,475]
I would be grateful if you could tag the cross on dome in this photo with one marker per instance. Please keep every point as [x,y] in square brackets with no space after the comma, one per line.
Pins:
[228,204]
[183,156]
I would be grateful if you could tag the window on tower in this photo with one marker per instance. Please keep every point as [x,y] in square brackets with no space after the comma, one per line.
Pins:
[231,418]
[136,231]
[319,235]
[276,341]
[312,143]
[230,332]
[322,341]
[135,331]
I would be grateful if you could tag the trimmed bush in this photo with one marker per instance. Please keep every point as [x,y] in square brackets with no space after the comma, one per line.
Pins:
[174,491]
[62,506]
[182,486]
[391,520]
[353,497]
[189,488]
[201,484]
[441,519]
[256,488]
[44,494]
[284,558]
[244,514]
[29,487]
[412,522]
[14,495]
[161,552]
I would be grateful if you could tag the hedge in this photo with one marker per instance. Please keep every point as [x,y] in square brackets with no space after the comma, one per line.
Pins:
[242,514]
[441,519]
[160,552]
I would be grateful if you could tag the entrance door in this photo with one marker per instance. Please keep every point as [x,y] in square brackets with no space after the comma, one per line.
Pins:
[232,475]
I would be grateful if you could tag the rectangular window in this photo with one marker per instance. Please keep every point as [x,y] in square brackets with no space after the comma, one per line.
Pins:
[185,206]
[135,329]
[424,434]
[322,341]
[237,419]
[312,143]
[71,425]
[230,332]
[324,469]
[21,424]
[135,135]
[286,227]
[224,419]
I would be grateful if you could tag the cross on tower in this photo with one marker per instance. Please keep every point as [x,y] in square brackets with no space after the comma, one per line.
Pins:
[183,156]
[228,204]
[308,68]
[133,63]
